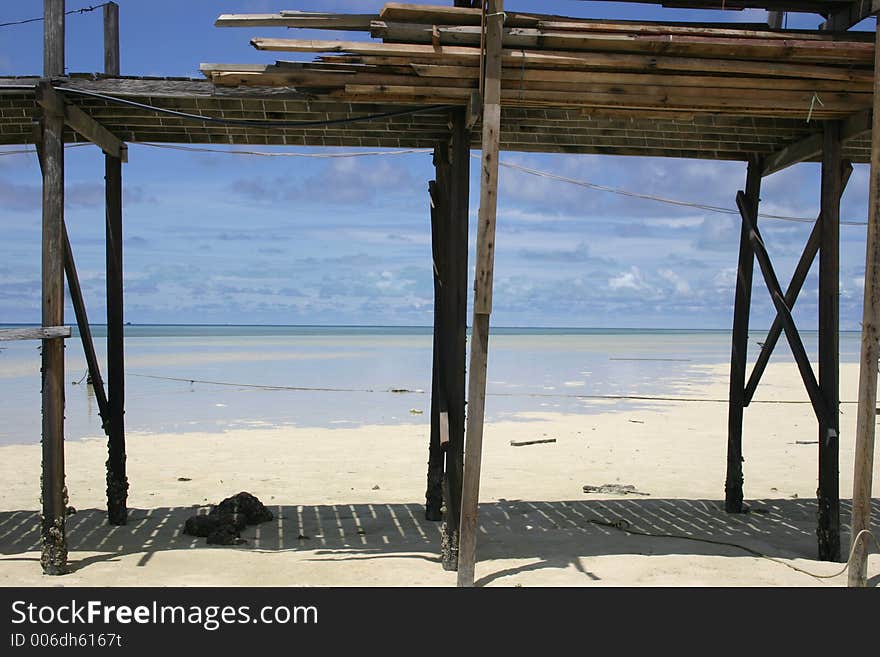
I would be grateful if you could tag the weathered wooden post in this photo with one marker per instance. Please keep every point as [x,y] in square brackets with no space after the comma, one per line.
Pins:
[454,329]
[117,482]
[733,488]
[828,493]
[54,493]
[439,194]
[867,415]
[482,293]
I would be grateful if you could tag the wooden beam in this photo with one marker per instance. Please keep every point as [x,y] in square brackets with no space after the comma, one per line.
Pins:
[577,60]
[313,20]
[870,353]
[82,123]
[791,294]
[85,331]
[854,126]
[455,320]
[850,15]
[733,487]
[111,39]
[41,333]
[439,195]
[53,557]
[482,293]
[828,493]
[117,481]
[791,333]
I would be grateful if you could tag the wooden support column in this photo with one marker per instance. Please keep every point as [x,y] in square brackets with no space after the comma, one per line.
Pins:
[828,494]
[54,492]
[439,193]
[733,488]
[485,265]
[454,346]
[117,481]
[867,415]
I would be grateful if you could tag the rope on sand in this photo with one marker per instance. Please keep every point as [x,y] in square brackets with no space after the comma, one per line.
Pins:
[624,526]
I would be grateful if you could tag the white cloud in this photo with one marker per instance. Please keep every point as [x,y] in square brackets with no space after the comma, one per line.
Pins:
[629,280]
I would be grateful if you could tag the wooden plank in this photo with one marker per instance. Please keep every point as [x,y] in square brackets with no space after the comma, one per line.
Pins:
[733,487]
[301,19]
[850,15]
[623,78]
[78,120]
[117,481]
[828,493]
[85,331]
[567,59]
[840,49]
[791,294]
[791,333]
[41,333]
[682,98]
[863,461]
[483,280]
[807,148]
[53,557]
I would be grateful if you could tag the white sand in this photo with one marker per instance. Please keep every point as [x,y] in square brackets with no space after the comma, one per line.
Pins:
[357,494]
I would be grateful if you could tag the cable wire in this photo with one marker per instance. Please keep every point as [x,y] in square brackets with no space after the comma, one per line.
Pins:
[247,122]
[624,526]
[67,13]
[659,199]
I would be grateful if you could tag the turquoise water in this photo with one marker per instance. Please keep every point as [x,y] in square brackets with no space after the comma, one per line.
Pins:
[344,375]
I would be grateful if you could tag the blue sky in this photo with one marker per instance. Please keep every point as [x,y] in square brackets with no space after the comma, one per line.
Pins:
[233,239]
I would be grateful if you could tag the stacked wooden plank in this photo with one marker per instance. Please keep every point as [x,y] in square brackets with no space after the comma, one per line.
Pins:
[425,54]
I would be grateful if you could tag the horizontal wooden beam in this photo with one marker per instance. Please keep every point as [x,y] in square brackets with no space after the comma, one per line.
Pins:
[300,19]
[52,101]
[855,13]
[41,333]
[807,148]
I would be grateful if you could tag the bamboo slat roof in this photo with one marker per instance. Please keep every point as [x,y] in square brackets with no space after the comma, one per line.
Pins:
[570,85]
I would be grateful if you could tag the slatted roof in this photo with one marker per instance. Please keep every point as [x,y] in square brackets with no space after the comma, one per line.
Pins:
[649,89]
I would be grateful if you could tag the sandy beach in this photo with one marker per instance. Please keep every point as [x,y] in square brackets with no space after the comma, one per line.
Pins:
[349,502]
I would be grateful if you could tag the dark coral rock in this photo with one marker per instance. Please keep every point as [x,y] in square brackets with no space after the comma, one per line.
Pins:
[225,534]
[245,504]
[201,525]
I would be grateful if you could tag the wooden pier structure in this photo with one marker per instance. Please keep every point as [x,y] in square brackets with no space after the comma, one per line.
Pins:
[473,76]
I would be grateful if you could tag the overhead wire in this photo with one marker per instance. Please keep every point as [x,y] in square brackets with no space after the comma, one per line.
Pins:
[67,13]
[248,122]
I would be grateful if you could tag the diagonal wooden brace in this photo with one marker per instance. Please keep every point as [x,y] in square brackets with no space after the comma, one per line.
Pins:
[791,295]
[782,310]
[53,102]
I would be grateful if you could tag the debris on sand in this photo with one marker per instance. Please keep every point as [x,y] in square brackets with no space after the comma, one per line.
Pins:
[523,443]
[615,489]
[224,523]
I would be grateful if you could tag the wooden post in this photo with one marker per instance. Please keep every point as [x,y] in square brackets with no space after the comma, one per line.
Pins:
[482,294]
[438,190]
[828,494]
[54,493]
[117,482]
[733,488]
[867,415]
[454,349]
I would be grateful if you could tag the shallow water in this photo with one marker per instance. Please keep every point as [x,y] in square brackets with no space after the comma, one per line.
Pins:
[345,375]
